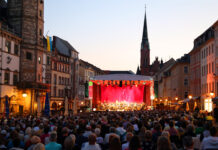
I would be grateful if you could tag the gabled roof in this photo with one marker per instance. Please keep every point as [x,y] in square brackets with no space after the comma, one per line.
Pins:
[63,47]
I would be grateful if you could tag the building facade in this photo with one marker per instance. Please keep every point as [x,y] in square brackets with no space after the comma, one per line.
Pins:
[64,74]
[86,71]
[10,69]
[204,67]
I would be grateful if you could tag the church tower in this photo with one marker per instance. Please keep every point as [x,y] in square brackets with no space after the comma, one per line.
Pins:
[27,18]
[145,51]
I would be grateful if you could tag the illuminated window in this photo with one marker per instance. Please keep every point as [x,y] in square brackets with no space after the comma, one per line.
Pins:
[208,105]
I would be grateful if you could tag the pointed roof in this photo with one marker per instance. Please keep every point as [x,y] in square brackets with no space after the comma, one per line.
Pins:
[138,72]
[145,33]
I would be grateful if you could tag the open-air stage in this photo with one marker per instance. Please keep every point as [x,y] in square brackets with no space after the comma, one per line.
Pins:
[121,92]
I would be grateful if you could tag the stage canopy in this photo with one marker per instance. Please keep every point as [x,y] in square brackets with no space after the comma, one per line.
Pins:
[128,77]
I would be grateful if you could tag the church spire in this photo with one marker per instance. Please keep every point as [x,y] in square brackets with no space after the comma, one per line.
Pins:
[145,33]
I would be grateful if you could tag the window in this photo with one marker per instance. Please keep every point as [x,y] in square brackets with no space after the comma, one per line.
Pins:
[186,95]
[186,82]
[40,13]
[212,67]
[7,78]
[59,93]
[7,46]
[40,32]
[55,79]
[28,55]
[48,61]
[185,69]
[59,80]
[39,59]
[15,79]
[16,49]
[39,77]
[55,94]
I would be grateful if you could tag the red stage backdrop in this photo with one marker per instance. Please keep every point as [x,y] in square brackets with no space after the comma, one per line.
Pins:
[132,94]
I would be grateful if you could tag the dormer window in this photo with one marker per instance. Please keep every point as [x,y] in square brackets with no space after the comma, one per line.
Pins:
[41,1]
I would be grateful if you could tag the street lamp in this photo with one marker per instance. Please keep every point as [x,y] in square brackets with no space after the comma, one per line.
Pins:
[176,98]
[190,97]
[24,94]
[211,94]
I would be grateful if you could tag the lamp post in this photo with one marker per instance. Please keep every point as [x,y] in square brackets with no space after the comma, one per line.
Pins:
[66,102]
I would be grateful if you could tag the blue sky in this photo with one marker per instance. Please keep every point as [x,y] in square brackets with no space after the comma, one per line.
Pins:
[108,33]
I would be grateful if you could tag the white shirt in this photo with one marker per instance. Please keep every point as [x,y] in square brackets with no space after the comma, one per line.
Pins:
[86,146]
[125,146]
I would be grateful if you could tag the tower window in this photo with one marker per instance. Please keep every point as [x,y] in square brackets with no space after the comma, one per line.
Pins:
[40,13]
[28,55]
[40,32]
[15,79]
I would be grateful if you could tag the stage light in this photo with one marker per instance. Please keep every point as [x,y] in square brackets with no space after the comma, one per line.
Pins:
[94,109]
[152,97]
[80,111]
[190,97]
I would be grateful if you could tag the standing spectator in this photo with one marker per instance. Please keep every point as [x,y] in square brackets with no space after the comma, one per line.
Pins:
[69,142]
[114,142]
[53,145]
[39,146]
[129,136]
[210,142]
[215,114]
[91,145]
[163,143]
[188,143]
[148,144]
[99,139]
[135,143]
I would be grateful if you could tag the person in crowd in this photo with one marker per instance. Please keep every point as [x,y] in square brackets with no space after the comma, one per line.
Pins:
[99,139]
[34,140]
[166,134]
[129,136]
[53,145]
[163,143]
[188,143]
[210,142]
[114,142]
[39,146]
[148,144]
[45,136]
[69,142]
[135,143]
[91,144]
[88,131]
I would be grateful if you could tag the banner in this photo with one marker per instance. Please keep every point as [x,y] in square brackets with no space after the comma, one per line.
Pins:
[47,105]
[6,106]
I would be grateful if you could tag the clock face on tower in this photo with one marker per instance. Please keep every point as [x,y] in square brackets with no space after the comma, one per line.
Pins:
[8,60]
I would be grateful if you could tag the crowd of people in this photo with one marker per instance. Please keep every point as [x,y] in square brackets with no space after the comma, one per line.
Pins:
[137,130]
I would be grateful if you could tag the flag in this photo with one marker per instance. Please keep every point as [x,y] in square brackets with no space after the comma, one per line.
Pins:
[48,44]
[47,105]
[6,106]
[50,38]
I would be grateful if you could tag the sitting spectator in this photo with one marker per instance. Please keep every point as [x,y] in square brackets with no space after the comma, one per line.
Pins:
[53,145]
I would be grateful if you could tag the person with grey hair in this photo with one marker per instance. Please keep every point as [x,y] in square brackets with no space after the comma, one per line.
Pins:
[112,131]
[99,139]
[53,145]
